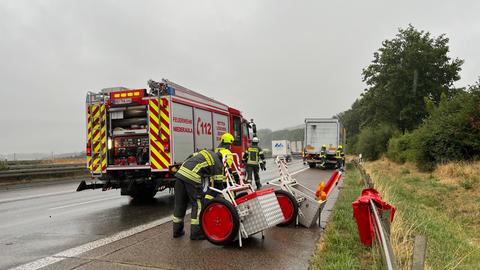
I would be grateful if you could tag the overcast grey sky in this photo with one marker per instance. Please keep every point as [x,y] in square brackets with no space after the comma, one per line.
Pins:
[277,61]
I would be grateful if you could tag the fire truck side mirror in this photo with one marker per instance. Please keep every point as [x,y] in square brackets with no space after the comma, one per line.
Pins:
[254,127]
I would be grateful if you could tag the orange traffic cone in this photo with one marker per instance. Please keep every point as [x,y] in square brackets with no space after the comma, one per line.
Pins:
[319,191]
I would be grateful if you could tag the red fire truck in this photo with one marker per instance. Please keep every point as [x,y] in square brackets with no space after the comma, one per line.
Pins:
[137,138]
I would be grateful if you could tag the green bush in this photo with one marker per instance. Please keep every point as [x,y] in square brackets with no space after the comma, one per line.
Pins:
[450,133]
[401,149]
[372,140]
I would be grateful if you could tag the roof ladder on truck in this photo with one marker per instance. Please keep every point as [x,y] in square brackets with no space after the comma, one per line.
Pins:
[97,133]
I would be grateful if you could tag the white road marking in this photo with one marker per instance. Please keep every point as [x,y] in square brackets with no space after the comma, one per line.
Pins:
[73,252]
[36,196]
[82,203]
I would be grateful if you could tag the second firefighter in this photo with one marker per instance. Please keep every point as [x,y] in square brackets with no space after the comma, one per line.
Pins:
[254,159]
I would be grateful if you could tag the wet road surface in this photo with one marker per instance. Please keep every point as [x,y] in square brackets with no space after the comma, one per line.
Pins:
[282,248]
[40,220]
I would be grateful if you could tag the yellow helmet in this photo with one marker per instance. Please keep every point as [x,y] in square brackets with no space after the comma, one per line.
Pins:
[340,146]
[227,155]
[324,145]
[227,138]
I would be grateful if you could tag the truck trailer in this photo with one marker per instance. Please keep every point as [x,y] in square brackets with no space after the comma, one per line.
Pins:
[282,148]
[138,138]
[318,132]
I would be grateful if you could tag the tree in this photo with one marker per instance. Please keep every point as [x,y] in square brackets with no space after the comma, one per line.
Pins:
[406,71]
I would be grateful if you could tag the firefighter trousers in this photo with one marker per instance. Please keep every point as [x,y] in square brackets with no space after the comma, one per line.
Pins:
[252,170]
[186,192]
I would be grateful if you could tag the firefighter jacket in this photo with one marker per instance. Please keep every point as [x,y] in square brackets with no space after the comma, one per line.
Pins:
[340,154]
[254,156]
[204,164]
[323,151]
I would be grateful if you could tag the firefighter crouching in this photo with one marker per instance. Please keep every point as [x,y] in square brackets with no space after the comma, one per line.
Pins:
[193,180]
[340,156]
[253,160]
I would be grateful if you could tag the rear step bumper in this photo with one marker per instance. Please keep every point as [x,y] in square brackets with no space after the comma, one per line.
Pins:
[139,167]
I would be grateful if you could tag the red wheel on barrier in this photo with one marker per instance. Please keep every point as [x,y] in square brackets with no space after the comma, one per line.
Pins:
[220,221]
[289,206]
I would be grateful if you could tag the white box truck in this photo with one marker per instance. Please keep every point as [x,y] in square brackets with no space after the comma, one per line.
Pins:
[318,132]
[282,148]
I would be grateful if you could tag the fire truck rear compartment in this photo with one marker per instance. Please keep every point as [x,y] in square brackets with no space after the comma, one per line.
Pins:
[129,142]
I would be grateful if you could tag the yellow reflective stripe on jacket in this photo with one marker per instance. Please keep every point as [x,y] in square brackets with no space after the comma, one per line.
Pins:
[189,174]
[221,177]
[207,157]
[251,150]
[199,166]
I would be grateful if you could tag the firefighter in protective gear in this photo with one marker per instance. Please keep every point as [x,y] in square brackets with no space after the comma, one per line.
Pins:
[225,142]
[254,159]
[323,150]
[340,156]
[323,154]
[193,179]
[219,180]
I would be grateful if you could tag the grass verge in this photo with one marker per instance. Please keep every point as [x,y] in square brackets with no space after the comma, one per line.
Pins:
[439,205]
[340,246]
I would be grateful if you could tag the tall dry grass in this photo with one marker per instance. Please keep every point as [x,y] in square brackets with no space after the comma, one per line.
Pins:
[401,233]
[463,178]
[458,172]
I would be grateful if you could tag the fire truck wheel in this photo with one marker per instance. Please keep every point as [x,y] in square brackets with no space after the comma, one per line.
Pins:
[220,222]
[289,207]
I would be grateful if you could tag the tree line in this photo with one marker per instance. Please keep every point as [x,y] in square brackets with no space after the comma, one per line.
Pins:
[411,109]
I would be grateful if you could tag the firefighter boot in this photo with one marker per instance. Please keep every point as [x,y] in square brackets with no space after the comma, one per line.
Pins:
[259,185]
[196,232]
[178,230]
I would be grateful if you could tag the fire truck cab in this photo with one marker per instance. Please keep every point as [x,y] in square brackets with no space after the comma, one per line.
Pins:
[138,138]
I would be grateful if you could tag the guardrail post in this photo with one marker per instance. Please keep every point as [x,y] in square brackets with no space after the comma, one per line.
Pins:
[419,252]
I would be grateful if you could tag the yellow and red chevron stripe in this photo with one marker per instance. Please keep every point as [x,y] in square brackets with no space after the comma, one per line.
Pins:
[89,135]
[159,112]
[98,139]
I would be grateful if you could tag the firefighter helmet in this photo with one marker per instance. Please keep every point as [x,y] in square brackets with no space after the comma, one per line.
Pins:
[324,145]
[255,140]
[225,153]
[340,147]
[227,138]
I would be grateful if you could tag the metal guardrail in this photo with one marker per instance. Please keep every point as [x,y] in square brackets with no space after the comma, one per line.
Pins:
[381,224]
[42,171]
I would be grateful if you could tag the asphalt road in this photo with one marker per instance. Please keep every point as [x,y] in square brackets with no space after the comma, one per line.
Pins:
[153,247]
[39,220]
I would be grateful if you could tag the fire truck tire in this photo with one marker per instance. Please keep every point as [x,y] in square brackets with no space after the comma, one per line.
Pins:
[220,222]
[289,207]
[312,165]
